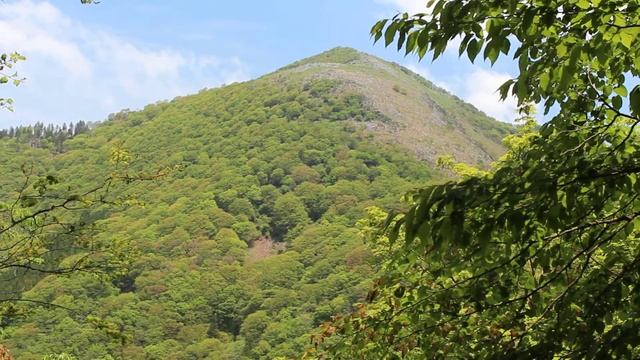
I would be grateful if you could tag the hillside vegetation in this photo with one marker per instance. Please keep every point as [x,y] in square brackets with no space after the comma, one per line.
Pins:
[252,242]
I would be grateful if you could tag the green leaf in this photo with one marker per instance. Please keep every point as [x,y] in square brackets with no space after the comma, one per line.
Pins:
[634,100]
[463,44]
[390,33]
[401,39]
[627,39]
[503,90]
[561,49]
[411,42]
[583,4]
[621,90]
[473,49]
[616,102]
[376,30]
[506,46]
[492,51]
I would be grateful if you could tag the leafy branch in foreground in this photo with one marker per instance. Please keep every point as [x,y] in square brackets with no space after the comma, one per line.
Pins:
[7,61]
[540,257]
[49,227]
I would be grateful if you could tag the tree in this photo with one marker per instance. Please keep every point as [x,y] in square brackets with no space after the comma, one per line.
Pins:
[539,258]
[253,327]
[48,228]
[288,213]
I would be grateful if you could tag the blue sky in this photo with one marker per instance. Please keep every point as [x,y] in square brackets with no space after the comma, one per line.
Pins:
[85,62]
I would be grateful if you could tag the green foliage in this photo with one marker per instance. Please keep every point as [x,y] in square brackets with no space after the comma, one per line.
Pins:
[289,213]
[47,228]
[339,55]
[41,136]
[7,62]
[62,356]
[285,161]
[539,257]
[460,169]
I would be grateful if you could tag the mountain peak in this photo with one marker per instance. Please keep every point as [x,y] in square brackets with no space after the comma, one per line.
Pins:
[339,54]
[422,118]
[336,55]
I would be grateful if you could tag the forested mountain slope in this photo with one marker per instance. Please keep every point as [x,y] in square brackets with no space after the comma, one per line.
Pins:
[252,242]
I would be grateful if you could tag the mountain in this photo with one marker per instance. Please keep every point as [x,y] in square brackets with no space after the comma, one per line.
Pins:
[423,118]
[254,238]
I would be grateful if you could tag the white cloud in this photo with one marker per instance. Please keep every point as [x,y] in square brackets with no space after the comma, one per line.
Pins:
[75,72]
[475,85]
[410,6]
[32,28]
[480,89]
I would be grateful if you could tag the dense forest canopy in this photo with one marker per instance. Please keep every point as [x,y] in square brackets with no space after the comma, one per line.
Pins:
[39,135]
[251,240]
